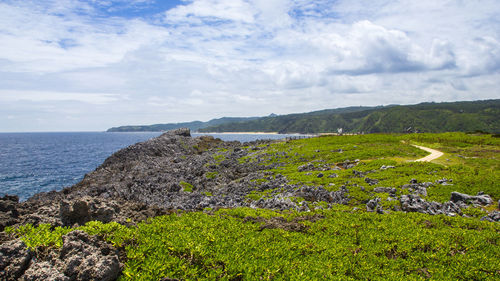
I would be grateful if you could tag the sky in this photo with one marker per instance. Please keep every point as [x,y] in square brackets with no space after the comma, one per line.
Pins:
[73,65]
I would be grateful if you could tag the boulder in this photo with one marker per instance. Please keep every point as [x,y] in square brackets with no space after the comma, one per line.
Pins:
[80,211]
[371,181]
[391,190]
[414,203]
[306,167]
[384,167]
[478,200]
[492,217]
[183,132]
[371,206]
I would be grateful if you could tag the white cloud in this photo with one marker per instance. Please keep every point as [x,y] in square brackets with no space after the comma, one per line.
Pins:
[212,10]
[9,96]
[209,58]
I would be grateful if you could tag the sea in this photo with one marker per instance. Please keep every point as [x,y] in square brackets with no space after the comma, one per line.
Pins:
[42,162]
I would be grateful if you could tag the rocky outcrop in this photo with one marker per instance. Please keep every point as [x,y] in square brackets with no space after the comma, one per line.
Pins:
[152,172]
[417,188]
[15,258]
[9,212]
[480,199]
[374,206]
[414,203]
[82,257]
[492,217]
[380,189]
[80,211]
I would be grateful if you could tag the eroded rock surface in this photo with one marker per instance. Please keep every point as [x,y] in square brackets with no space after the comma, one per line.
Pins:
[15,258]
[82,257]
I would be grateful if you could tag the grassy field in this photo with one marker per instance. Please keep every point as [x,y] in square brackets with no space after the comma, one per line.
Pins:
[340,243]
[470,161]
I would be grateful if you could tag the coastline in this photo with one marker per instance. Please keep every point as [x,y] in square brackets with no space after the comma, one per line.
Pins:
[239,133]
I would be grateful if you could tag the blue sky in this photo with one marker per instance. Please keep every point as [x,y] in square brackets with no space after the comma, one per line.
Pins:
[70,65]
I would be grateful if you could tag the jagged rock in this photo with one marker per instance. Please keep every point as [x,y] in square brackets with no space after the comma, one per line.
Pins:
[14,259]
[391,190]
[277,203]
[9,213]
[371,206]
[414,203]
[384,167]
[358,173]
[444,181]
[371,181]
[417,188]
[82,257]
[184,132]
[479,199]
[341,196]
[44,271]
[80,211]
[306,167]
[492,217]
[75,213]
[380,210]
[320,175]
[333,175]
[8,202]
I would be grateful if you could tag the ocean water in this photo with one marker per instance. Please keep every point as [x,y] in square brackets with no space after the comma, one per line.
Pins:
[41,162]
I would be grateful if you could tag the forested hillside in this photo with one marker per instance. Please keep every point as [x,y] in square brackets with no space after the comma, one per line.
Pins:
[424,117]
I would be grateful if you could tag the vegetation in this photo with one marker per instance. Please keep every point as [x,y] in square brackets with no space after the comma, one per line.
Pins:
[424,117]
[336,244]
[330,242]
[471,162]
[187,187]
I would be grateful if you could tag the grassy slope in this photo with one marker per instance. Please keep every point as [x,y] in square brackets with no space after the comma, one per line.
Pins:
[341,243]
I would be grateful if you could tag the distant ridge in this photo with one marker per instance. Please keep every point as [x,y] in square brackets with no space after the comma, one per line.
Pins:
[193,126]
[465,116]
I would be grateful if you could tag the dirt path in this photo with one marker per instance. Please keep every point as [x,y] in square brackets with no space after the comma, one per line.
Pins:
[434,154]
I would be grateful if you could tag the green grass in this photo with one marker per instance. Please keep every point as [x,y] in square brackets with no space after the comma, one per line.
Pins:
[187,187]
[245,244]
[473,163]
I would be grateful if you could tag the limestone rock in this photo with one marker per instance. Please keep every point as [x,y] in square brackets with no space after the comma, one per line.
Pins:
[9,213]
[14,259]
[390,190]
[80,211]
[479,199]
[414,203]
[492,217]
[44,271]
[371,206]
[82,257]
